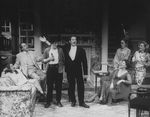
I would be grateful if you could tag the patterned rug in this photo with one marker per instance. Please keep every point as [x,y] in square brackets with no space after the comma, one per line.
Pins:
[119,109]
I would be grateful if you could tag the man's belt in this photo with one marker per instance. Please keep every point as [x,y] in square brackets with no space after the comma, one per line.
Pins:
[53,65]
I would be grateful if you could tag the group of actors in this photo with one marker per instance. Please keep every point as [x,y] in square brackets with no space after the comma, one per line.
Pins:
[73,59]
[127,69]
[55,58]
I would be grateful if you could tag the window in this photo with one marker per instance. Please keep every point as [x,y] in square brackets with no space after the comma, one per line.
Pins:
[26,22]
[5,40]
[26,31]
[6,26]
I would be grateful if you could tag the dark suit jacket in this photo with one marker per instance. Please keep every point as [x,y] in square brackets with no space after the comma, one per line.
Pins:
[80,60]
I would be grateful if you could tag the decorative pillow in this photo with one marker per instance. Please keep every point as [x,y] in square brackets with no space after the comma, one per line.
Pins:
[6,82]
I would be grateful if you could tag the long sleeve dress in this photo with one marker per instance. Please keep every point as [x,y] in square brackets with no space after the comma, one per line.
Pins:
[142,61]
[120,55]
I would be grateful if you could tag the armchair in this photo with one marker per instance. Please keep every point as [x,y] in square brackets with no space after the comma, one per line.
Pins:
[141,102]
[16,101]
[124,92]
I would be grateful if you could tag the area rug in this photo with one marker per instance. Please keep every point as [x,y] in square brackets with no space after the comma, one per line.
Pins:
[119,109]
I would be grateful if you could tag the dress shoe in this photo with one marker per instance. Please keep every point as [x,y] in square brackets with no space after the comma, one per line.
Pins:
[84,105]
[42,98]
[73,104]
[47,105]
[59,104]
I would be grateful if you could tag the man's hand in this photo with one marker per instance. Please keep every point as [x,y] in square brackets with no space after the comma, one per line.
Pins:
[43,39]
[48,59]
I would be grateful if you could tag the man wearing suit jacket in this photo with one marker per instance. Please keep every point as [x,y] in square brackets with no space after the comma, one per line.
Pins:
[75,60]
[27,61]
[55,60]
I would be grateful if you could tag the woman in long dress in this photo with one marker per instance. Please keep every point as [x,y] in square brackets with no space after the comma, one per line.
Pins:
[141,60]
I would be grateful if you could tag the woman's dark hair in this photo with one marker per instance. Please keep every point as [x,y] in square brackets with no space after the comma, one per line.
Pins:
[127,63]
[125,40]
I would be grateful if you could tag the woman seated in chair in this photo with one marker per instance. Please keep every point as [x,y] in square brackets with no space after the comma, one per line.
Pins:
[116,86]
[19,79]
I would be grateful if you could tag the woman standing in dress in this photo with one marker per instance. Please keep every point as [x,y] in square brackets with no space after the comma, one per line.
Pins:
[121,53]
[141,60]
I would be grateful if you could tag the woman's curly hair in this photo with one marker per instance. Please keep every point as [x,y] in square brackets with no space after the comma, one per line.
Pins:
[146,45]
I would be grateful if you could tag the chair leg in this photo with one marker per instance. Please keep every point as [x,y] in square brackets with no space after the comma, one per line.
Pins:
[128,110]
[149,111]
[137,113]
[140,112]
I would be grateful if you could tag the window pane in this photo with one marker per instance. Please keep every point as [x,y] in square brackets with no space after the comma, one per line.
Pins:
[7,23]
[7,29]
[23,27]
[31,42]
[23,33]
[30,27]
[23,40]
[30,33]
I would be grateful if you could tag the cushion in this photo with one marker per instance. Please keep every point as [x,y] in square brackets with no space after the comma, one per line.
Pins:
[6,82]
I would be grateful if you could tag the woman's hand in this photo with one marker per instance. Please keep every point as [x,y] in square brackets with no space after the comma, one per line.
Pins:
[111,85]
[120,81]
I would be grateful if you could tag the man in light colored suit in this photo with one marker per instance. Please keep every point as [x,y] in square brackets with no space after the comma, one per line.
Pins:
[27,61]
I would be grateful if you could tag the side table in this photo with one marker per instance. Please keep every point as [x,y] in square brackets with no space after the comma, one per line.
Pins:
[98,74]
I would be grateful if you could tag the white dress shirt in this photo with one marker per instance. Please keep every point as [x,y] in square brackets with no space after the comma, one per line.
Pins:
[72,52]
[54,53]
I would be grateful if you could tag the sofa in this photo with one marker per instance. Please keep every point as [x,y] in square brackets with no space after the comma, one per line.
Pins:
[16,101]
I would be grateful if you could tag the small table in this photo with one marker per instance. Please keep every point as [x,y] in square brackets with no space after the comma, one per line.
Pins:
[99,74]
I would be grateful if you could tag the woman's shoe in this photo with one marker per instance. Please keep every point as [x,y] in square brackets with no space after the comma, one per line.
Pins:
[103,101]
[92,98]
[109,104]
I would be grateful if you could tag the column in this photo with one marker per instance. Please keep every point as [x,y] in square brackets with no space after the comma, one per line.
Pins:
[37,27]
[104,52]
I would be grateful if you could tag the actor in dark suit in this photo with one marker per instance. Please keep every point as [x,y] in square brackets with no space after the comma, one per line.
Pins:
[75,65]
